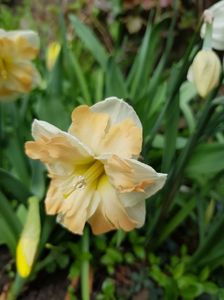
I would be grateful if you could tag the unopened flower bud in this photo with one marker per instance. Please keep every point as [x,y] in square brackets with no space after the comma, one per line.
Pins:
[53,51]
[28,242]
[205,72]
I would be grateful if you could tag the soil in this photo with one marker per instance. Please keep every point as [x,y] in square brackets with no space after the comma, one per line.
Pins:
[4,262]
[47,287]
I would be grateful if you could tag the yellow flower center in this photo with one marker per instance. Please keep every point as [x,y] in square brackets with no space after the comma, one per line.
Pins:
[89,176]
[4,67]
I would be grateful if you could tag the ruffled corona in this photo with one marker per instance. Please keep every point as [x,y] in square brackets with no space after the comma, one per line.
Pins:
[95,176]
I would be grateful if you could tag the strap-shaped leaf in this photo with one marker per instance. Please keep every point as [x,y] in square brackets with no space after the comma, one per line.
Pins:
[91,41]
[13,186]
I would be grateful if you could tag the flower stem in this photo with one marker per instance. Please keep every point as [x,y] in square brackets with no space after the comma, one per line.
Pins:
[85,266]
[177,172]
[207,44]
[16,288]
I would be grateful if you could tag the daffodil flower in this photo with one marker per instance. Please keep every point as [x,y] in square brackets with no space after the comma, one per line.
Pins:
[94,171]
[215,15]
[17,73]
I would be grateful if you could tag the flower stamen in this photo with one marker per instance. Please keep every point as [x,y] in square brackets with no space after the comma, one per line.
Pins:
[94,172]
[91,175]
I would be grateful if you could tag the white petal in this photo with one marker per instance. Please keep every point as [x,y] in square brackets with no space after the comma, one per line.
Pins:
[110,214]
[137,213]
[2,33]
[93,205]
[118,110]
[130,176]
[217,8]
[217,12]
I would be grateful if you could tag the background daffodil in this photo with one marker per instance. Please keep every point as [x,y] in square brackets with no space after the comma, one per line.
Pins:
[214,15]
[94,171]
[17,73]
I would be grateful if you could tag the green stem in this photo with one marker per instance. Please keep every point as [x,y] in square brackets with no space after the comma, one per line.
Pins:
[175,221]
[207,44]
[85,266]
[210,243]
[172,91]
[16,288]
[176,174]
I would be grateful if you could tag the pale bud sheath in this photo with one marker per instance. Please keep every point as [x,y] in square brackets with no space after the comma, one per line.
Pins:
[29,240]
[205,72]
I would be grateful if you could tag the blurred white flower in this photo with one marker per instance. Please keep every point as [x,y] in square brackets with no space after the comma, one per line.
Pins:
[215,15]
[17,73]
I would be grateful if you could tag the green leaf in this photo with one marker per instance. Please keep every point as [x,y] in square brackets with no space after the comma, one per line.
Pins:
[139,251]
[38,179]
[13,186]
[171,129]
[211,288]
[74,70]
[108,287]
[51,108]
[90,41]
[189,287]
[7,237]
[16,156]
[204,274]
[178,271]
[112,257]
[159,142]
[176,221]
[187,93]
[9,216]
[207,160]
[115,83]
[145,60]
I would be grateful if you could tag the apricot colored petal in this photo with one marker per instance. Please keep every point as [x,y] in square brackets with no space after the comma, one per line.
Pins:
[27,43]
[88,126]
[75,210]
[56,148]
[118,110]
[124,139]
[134,180]
[7,95]
[110,214]
[23,77]
[72,210]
